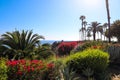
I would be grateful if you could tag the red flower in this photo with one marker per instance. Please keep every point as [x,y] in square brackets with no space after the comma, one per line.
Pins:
[28,68]
[12,63]
[34,61]
[50,65]
[19,72]
[32,69]
[23,62]
[95,47]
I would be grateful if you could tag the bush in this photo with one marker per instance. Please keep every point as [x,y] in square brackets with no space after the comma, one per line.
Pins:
[91,44]
[28,70]
[3,69]
[93,59]
[44,53]
[64,48]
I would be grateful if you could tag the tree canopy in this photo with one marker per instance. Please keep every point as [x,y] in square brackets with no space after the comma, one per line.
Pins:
[115,29]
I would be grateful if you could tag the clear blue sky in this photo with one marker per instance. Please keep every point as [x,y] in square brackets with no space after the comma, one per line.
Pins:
[54,19]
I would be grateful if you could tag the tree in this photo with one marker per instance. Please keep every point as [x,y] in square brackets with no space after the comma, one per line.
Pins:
[89,30]
[105,25]
[100,30]
[19,45]
[108,17]
[82,24]
[94,26]
[115,29]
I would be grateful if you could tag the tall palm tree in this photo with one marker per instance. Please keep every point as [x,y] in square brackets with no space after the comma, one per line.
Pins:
[19,44]
[89,30]
[100,30]
[82,18]
[94,26]
[85,24]
[108,17]
[105,25]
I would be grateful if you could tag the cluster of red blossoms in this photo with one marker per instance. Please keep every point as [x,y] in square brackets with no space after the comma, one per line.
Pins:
[66,47]
[68,44]
[24,66]
[97,47]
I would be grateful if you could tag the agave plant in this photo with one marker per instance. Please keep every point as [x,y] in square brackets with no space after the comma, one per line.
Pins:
[68,74]
[88,72]
[19,44]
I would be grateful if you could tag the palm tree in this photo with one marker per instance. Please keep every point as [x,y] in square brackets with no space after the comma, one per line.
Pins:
[82,29]
[100,30]
[84,23]
[105,25]
[89,30]
[108,17]
[18,44]
[94,26]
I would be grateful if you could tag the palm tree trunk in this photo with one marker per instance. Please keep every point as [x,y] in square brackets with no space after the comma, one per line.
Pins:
[94,36]
[94,33]
[108,16]
[101,36]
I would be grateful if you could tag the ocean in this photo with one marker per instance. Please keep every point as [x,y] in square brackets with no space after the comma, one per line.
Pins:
[47,41]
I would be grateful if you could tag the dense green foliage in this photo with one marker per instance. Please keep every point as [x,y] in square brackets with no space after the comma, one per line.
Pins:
[86,45]
[3,69]
[115,29]
[94,59]
[44,52]
[19,44]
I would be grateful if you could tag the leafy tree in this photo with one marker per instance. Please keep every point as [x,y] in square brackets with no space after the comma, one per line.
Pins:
[115,30]
[19,44]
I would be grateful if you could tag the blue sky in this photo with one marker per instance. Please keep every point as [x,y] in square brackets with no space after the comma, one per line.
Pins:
[54,19]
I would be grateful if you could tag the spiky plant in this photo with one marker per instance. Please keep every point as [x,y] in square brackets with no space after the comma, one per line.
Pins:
[19,44]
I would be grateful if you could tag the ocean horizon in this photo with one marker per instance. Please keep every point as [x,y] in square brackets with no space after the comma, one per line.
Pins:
[48,41]
[52,41]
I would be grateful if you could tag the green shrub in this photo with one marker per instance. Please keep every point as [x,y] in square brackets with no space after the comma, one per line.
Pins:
[86,45]
[3,69]
[94,59]
[44,53]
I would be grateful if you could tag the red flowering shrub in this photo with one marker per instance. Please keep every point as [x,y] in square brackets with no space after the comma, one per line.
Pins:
[27,70]
[64,48]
